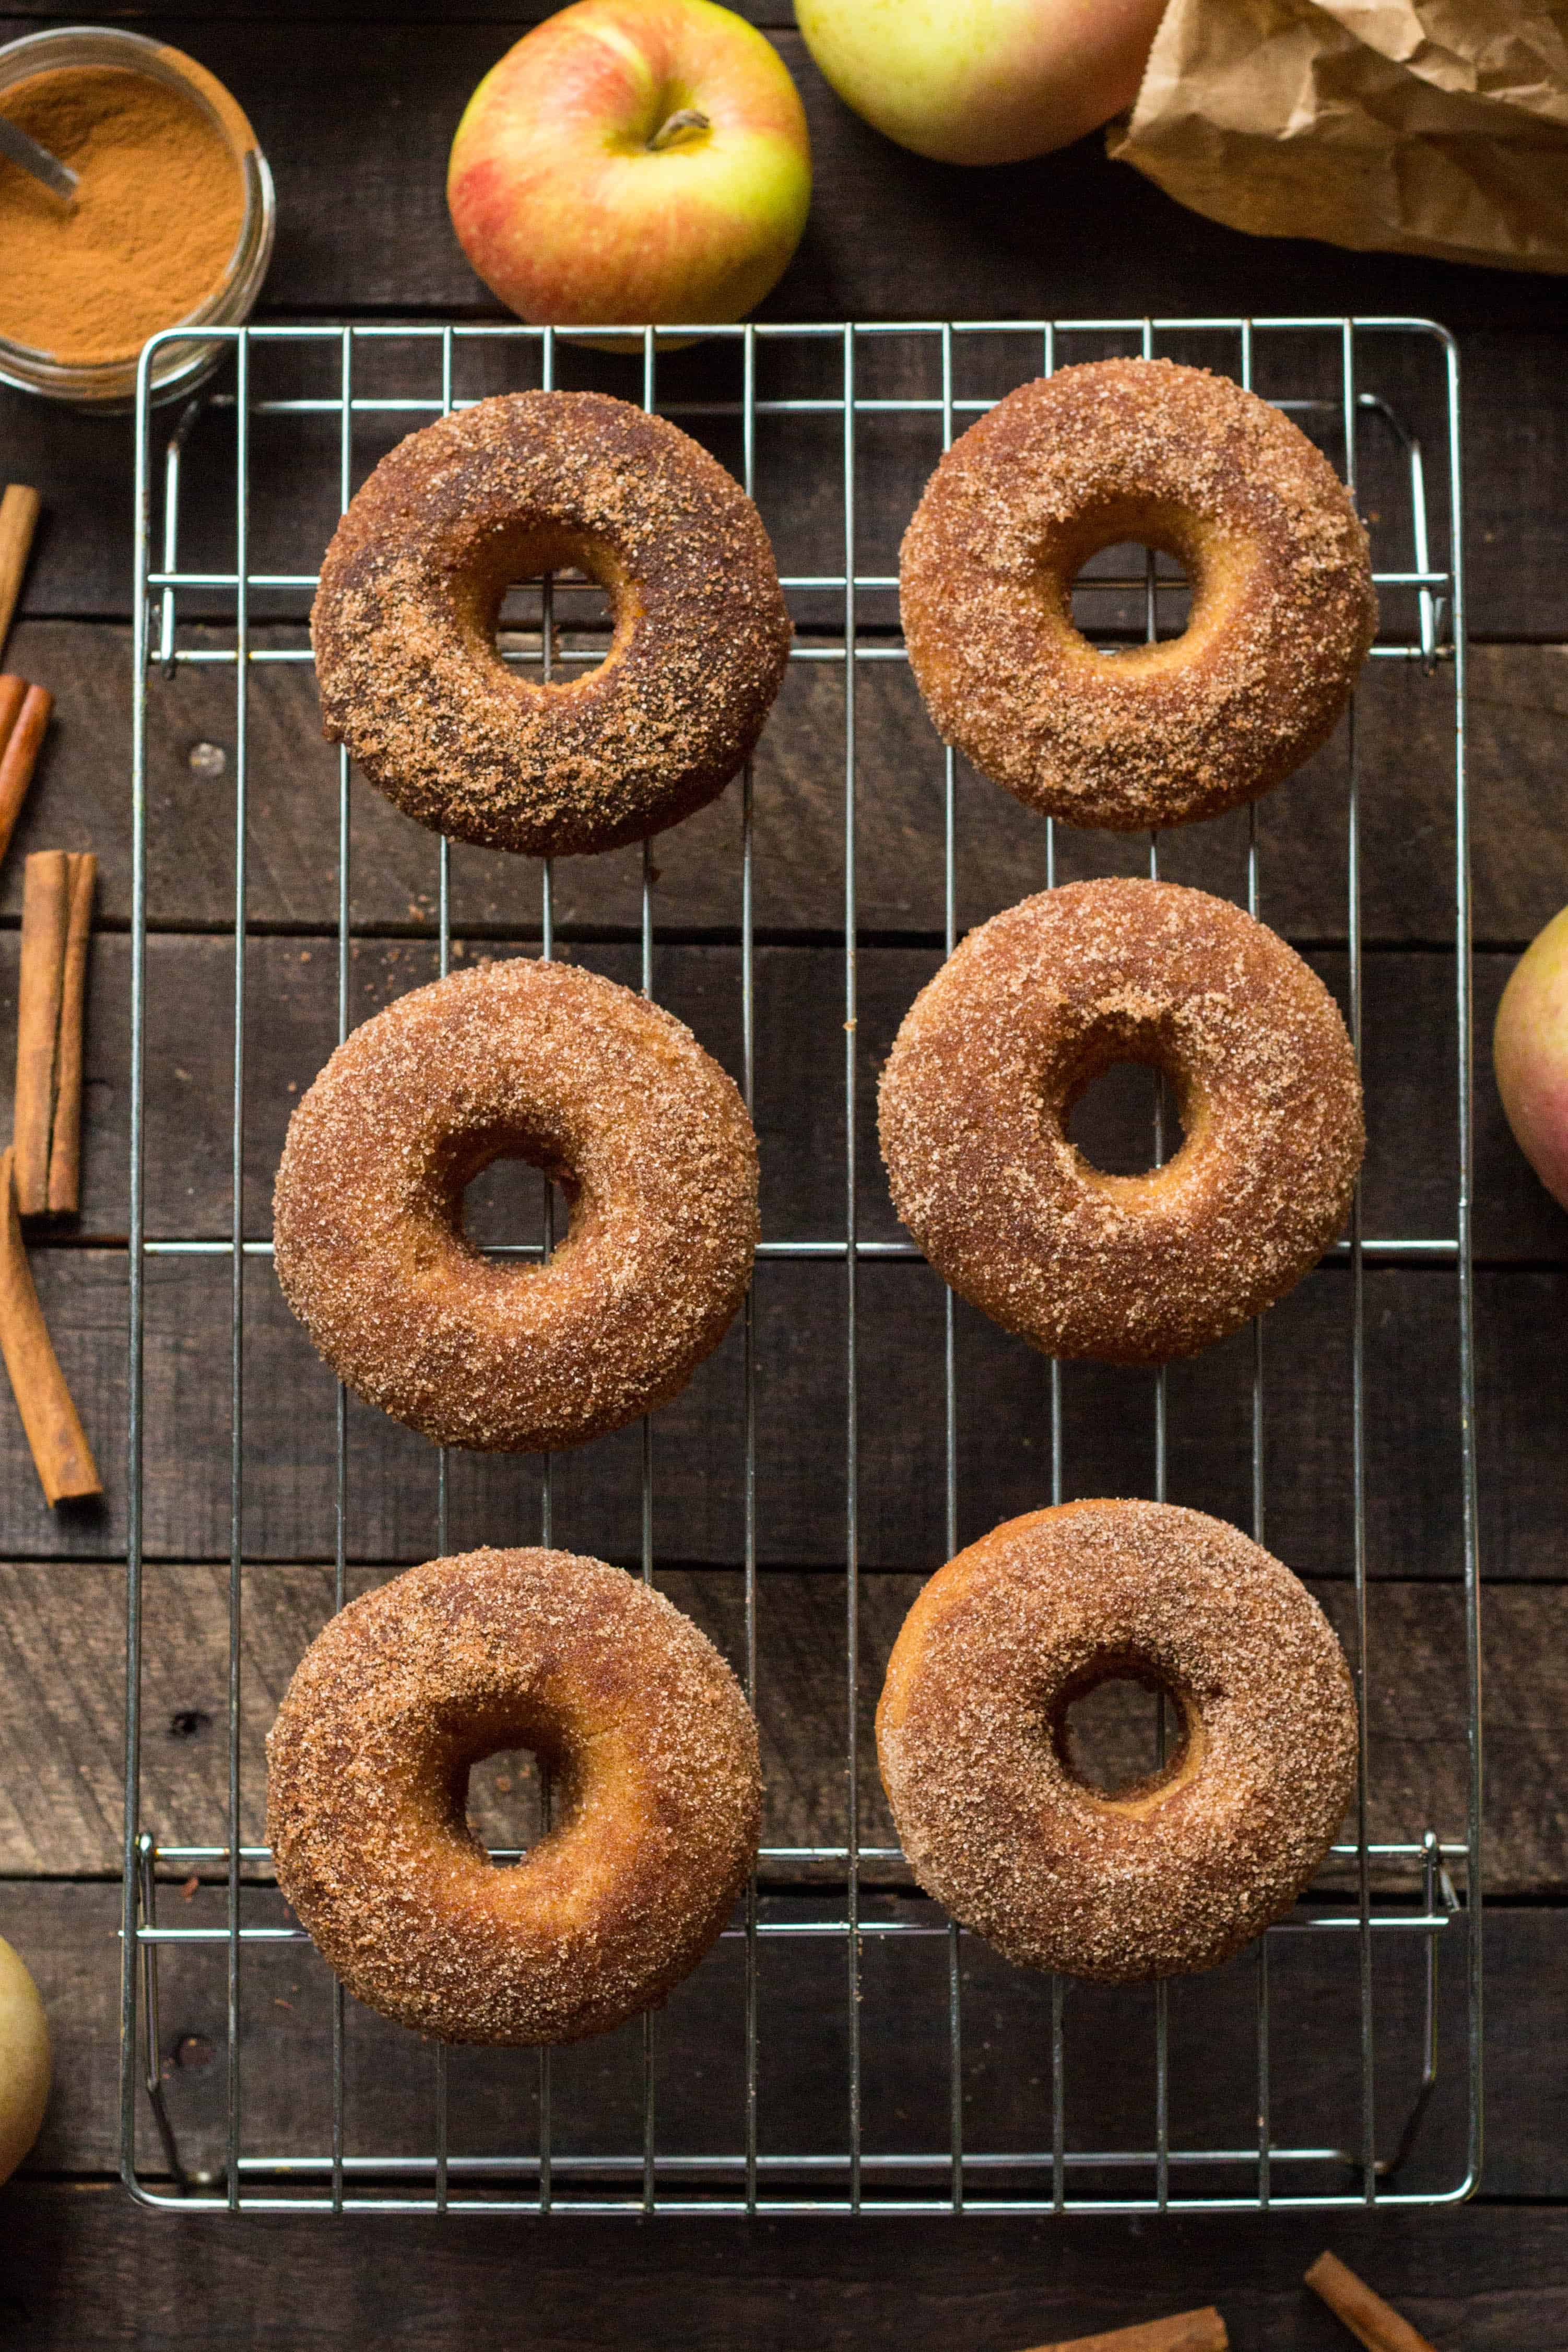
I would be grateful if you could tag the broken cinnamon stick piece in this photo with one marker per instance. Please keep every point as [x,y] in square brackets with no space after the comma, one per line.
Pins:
[1377,2323]
[61,1454]
[65,1137]
[1184,2331]
[20,757]
[13,694]
[18,520]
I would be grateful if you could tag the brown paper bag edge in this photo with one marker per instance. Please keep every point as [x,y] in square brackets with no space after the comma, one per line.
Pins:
[1206,128]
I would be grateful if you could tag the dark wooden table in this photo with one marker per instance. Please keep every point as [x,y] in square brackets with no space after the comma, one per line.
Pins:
[355,106]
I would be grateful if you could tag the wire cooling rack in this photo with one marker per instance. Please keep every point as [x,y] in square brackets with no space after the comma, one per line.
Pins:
[994,2092]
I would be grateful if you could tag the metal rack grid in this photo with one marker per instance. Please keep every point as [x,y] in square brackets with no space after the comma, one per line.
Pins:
[748,2176]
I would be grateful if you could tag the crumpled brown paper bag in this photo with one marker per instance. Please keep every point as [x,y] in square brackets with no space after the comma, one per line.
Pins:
[1424,126]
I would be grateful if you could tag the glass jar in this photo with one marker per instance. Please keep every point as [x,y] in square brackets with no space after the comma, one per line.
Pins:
[177,367]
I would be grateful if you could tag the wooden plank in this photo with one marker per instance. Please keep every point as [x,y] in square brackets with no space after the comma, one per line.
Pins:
[291,1028]
[62,1651]
[83,565]
[67,1933]
[1488,2278]
[290,1477]
[295,457]
[286,2030]
[1412,1482]
[1519,700]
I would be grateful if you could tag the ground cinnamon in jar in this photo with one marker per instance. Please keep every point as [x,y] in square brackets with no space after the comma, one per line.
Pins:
[153,229]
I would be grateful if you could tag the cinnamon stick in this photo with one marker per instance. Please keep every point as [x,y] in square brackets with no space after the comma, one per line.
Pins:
[13,694]
[64,1138]
[61,1454]
[1377,2323]
[20,757]
[1184,2331]
[57,918]
[18,520]
[45,914]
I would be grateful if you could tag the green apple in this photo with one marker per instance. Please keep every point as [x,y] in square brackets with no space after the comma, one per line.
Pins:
[1530,1054]
[633,161]
[982,81]
[23,2062]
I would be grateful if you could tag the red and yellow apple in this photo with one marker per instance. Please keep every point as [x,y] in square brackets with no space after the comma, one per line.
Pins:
[982,81]
[1530,1054]
[633,161]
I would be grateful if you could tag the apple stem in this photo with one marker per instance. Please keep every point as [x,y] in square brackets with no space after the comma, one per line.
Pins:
[677,128]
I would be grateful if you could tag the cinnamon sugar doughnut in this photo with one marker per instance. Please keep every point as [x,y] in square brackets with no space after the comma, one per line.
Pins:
[651,1754]
[1282,608]
[1178,1872]
[620,1105]
[404,622]
[994,1053]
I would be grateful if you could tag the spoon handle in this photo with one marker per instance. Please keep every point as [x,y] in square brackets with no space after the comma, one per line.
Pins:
[38,159]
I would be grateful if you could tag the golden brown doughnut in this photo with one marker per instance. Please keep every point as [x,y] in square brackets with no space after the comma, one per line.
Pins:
[1029,1009]
[1282,606]
[404,622]
[1178,1872]
[610,1095]
[651,1757]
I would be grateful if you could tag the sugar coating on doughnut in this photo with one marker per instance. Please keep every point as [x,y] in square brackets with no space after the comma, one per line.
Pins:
[1178,1874]
[1282,615]
[976,1095]
[651,1754]
[404,617]
[609,1094]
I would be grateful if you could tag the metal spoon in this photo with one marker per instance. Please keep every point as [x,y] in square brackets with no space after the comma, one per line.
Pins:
[55,176]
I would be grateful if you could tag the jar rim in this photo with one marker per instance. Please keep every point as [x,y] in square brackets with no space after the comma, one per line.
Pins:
[99,384]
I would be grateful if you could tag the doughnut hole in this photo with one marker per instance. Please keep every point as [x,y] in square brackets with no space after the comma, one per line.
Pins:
[504,1187]
[504,1804]
[498,597]
[1203,568]
[1103,606]
[582,624]
[1113,1122]
[504,1205]
[1108,1730]
[1101,1096]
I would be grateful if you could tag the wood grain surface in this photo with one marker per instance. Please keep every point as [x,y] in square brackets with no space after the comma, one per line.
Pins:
[355,105]
[61,1677]
[1518,707]
[67,1931]
[291,983]
[105,2277]
[1004,1458]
